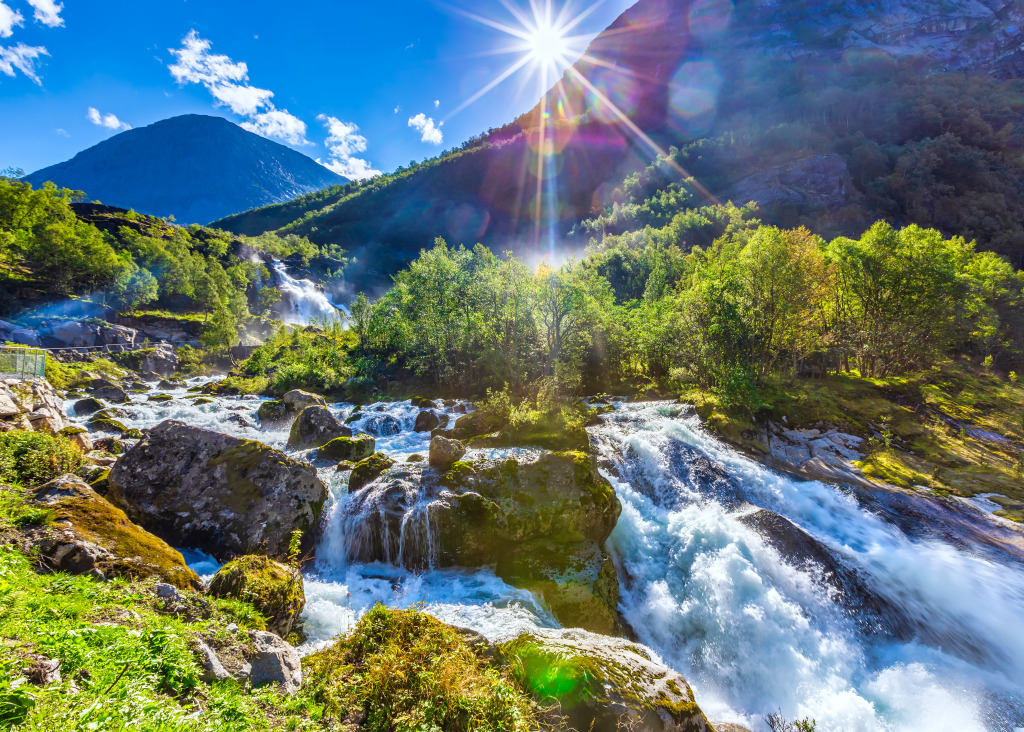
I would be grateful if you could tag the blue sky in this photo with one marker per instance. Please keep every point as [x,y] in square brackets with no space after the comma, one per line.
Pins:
[72,75]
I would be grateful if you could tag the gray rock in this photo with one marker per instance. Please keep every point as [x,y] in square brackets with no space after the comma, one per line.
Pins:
[166,591]
[822,181]
[426,421]
[213,669]
[444,452]
[296,400]
[162,361]
[275,662]
[215,492]
[112,394]
[85,407]
[315,426]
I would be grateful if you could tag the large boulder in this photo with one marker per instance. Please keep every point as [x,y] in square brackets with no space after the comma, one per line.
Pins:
[315,426]
[445,452]
[368,470]
[601,684]
[12,333]
[296,400]
[161,360]
[476,423]
[87,406]
[427,420]
[90,535]
[351,449]
[274,663]
[218,493]
[541,523]
[274,589]
[113,394]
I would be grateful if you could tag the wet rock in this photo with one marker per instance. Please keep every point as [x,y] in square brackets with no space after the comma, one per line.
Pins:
[110,445]
[275,662]
[272,411]
[445,452]
[426,421]
[159,398]
[602,684]
[218,493]
[107,424]
[368,470]
[90,533]
[315,426]
[350,449]
[423,403]
[85,407]
[238,419]
[274,589]
[171,384]
[112,394]
[383,425]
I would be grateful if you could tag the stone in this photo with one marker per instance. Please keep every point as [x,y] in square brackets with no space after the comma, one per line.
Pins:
[31,405]
[275,662]
[366,471]
[89,532]
[296,400]
[79,436]
[383,425]
[274,589]
[110,445]
[161,360]
[213,669]
[271,411]
[165,591]
[444,452]
[12,333]
[423,403]
[315,426]
[476,423]
[87,406]
[602,684]
[218,493]
[351,449]
[159,398]
[112,394]
[426,421]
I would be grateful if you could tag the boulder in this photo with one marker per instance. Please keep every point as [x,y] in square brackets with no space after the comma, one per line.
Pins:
[213,669]
[601,684]
[274,589]
[315,426]
[79,436]
[426,421]
[159,398]
[112,394]
[541,523]
[296,400]
[12,333]
[368,470]
[218,493]
[90,534]
[271,411]
[161,360]
[110,445]
[383,425]
[85,407]
[476,423]
[275,662]
[31,405]
[444,452]
[423,403]
[351,449]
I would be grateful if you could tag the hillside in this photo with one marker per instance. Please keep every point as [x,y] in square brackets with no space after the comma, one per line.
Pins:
[193,167]
[916,108]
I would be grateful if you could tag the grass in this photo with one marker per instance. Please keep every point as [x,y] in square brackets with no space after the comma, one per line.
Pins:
[170,315]
[65,376]
[935,423]
[33,458]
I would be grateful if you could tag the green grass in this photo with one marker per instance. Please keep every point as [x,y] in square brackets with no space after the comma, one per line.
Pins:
[33,458]
[71,375]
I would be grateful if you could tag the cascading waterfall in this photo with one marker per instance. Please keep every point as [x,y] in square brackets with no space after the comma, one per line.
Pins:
[751,631]
[302,301]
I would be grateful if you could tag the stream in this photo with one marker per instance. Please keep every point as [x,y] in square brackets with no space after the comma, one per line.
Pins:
[937,645]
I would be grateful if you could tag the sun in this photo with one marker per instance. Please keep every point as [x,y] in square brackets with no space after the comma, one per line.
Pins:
[547,44]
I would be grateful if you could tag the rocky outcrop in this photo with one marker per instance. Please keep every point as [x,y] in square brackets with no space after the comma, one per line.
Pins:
[542,524]
[31,405]
[821,454]
[161,360]
[91,536]
[315,426]
[274,589]
[224,495]
[78,334]
[592,682]
[822,181]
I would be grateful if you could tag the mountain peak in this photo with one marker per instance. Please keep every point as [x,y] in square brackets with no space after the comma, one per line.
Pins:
[195,167]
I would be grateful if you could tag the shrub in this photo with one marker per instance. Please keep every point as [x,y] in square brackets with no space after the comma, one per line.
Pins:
[33,458]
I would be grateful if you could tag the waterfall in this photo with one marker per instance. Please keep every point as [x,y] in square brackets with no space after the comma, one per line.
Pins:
[301,300]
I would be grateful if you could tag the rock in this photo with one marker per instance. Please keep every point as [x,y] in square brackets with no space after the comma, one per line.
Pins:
[476,423]
[444,452]
[200,401]
[423,403]
[162,360]
[112,394]
[542,524]
[79,436]
[171,384]
[275,662]
[31,405]
[76,334]
[213,669]
[368,470]
[315,426]
[87,406]
[821,181]
[352,449]
[272,411]
[427,421]
[90,533]
[274,589]
[383,425]
[44,671]
[110,445]
[106,424]
[238,419]
[12,333]
[729,727]
[602,684]
[160,398]
[218,493]
[296,400]
[165,591]
[354,417]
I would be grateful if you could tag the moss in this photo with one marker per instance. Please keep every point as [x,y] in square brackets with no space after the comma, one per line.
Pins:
[72,430]
[103,424]
[159,398]
[272,411]
[354,417]
[366,471]
[200,401]
[274,589]
[351,449]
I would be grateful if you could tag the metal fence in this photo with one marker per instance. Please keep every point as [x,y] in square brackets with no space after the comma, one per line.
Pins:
[22,363]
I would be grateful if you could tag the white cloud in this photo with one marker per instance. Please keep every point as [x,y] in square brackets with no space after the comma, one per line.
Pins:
[437,103]
[110,121]
[397,110]
[48,12]
[24,59]
[8,20]
[343,142]
[278,124]
[228,83]
[429,132]
[62,132]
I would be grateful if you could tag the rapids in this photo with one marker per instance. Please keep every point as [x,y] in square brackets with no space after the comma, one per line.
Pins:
[751,631]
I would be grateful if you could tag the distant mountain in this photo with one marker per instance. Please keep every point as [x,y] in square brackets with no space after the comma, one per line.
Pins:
[830,114]
[194,167]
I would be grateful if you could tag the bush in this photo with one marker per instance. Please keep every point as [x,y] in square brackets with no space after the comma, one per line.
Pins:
[33,458]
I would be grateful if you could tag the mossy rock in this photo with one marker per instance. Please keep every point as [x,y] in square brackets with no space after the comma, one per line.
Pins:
[368,470]
[101,482]
[72,430]
[273,411]
[110,445]
[351,449]
[89,405]
[315,426]
[159,398]
[102,424]
[477,423]
[581,588]
[423,403]
[274,589]
[200,401]
[132,434]
[128,550]
[602,684]
[354,417]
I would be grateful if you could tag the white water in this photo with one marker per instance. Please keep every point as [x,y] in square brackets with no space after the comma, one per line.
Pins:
[302,302]
[717,602]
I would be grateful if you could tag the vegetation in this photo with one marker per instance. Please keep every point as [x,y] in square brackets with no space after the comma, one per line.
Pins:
[32,458]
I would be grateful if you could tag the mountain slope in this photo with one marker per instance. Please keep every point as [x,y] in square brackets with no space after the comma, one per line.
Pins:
[194,167]
[919,103]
